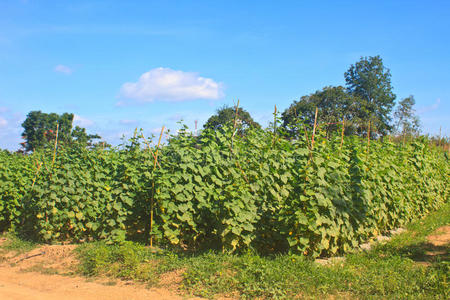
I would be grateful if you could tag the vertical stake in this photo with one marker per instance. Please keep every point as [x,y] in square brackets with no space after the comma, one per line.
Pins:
[234,125]
[56,144]
[440,132]
[368,142]
[342,133]
[274,125]
[314,129]
[152,201]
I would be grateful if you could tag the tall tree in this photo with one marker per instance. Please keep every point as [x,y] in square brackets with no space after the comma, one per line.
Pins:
[406,120]
[334,104]
[370,81]
[226,115]
[40,129]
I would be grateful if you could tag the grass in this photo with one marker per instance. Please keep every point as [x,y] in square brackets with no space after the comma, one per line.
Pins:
[394,270]
[16,244]
[41,268]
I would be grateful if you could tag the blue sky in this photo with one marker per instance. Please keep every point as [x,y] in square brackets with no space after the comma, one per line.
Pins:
[118,65]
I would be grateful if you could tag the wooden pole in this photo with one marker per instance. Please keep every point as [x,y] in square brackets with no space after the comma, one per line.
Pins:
[234,125]
[342,133]
[307,138]
[440,132]
[157,147]
[274,125]
[56,144]
[150,149]
[314,129]
[152,201]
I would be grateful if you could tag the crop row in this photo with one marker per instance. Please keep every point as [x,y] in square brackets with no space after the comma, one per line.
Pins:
[220,191]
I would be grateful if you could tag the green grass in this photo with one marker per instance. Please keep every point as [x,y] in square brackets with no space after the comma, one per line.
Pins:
[41,268]
[394,270]
[16,244]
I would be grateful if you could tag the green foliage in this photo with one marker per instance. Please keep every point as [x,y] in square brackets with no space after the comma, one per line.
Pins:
[406,121]
[333,103]
[370,81]
[16,244]
[41,128]
[16,177]
[225,192]
[388,271]
[225,117]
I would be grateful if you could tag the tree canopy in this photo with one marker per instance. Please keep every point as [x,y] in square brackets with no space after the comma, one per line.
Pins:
[406,121]
[41,128]
[333,103]
[370,81]
[226,115]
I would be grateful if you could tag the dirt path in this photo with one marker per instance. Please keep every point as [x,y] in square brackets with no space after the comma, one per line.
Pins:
[19,285]
[39,274]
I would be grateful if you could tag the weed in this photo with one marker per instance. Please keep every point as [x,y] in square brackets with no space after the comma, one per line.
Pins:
[17,244]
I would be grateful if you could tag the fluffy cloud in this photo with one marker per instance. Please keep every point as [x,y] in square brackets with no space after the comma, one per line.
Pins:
[128,122]
[171,85]
[82,122]
[63,69]
[3,122]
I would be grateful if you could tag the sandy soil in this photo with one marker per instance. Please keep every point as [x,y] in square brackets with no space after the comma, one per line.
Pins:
[440,236]
[29,276]
[19,285]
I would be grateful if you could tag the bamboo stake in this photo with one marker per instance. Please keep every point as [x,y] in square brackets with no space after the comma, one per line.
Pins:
[368,142]
[234,125]
[152,201]
[39,165]
[342,133]
[274,125]
[56,144]
[157,147]
[314,129]
[150,149]
[440,132]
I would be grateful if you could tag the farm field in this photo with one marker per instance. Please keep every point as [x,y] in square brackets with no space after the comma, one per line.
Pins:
[241,217]
[226,192]
[224,150]
[413,264]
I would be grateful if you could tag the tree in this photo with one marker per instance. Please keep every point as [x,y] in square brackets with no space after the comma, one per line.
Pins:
[406,121]
[41,128]
[370,81]
[333,103]
[226,115]
[80,136]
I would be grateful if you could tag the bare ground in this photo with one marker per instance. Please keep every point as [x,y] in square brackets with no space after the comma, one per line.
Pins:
[47,273]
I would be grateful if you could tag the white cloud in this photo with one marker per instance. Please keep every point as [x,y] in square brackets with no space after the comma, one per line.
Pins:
[128,122]
[3,122]
[82,122]
[171,85]
[3,109]
[63,69]
[432,107]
